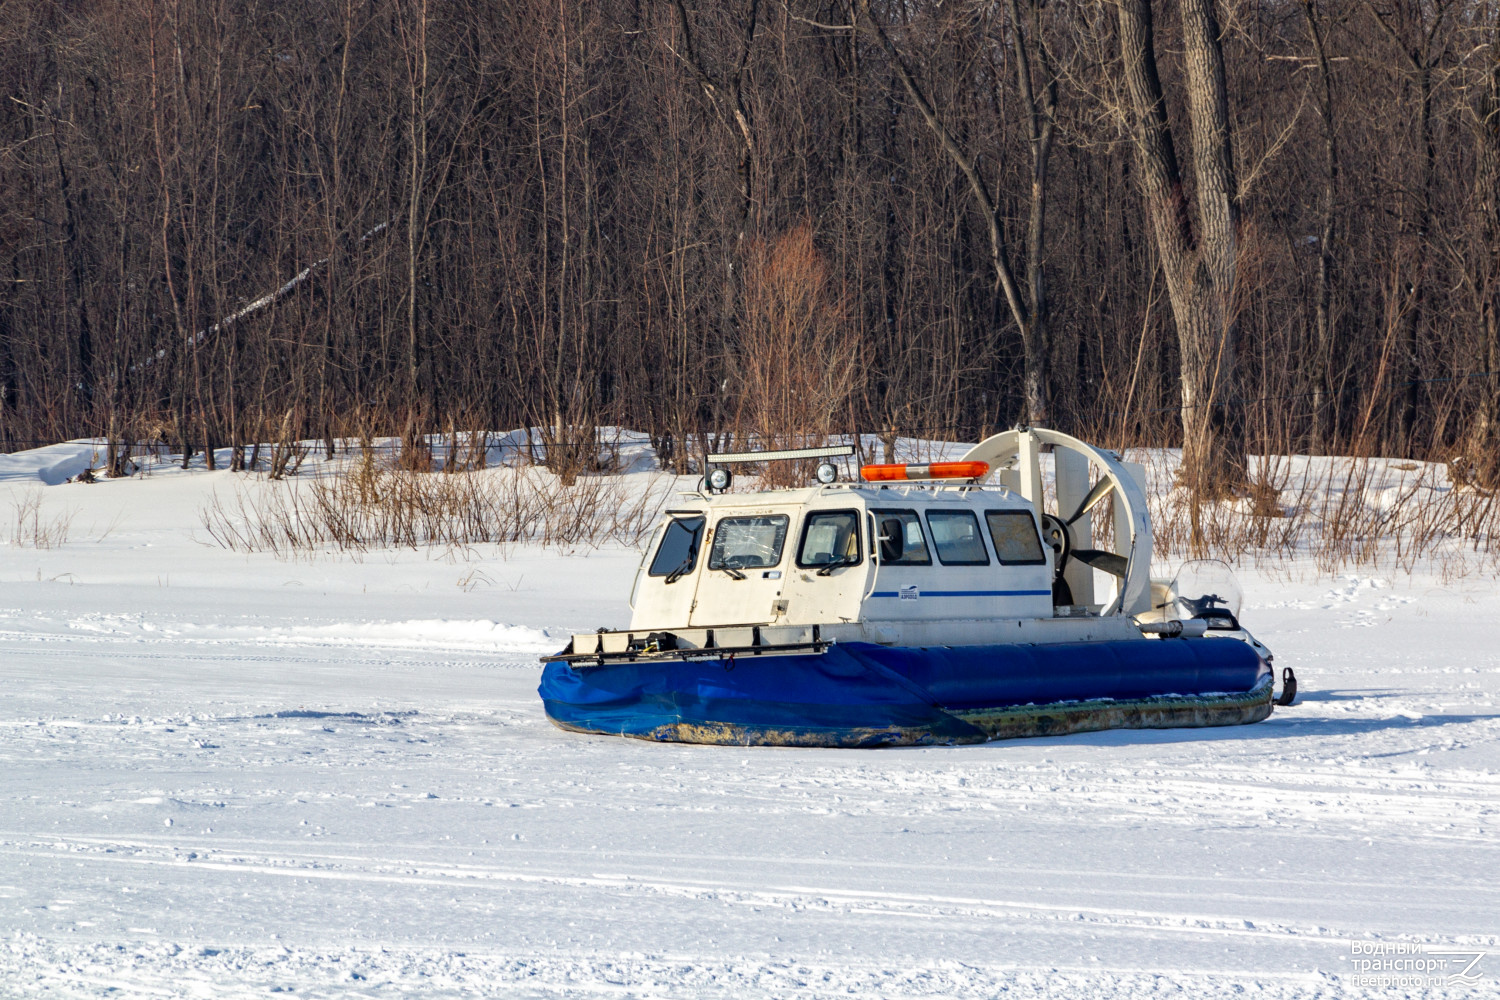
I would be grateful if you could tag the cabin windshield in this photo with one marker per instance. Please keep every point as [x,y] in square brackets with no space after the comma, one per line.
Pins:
[748,542]
[830,538]
[678,551]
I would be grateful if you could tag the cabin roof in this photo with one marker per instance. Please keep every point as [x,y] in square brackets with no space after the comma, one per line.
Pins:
[857,494]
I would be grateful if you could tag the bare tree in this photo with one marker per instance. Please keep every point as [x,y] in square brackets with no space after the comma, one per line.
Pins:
[1323,342]
[565,203]
[797,353]
[1039,114]
[725,93]
[1482,444]
[1198,255]
[1420,57]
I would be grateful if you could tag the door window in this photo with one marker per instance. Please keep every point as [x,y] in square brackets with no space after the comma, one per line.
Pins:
[678,551]
[830,538]
[901,540]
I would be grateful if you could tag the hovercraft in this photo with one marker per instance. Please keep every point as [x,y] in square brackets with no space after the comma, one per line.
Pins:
[920,605]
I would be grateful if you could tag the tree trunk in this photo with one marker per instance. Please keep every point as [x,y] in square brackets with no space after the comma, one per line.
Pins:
[1411,365]
[1199,266]
[1483,444]
[1322,355]
[1040,110]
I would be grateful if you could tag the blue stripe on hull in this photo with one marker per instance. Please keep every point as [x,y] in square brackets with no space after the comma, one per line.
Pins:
[859,694]
[967,593]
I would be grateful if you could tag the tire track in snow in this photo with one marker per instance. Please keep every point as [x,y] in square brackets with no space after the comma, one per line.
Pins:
[1413,805]
[793,897]
[374,971]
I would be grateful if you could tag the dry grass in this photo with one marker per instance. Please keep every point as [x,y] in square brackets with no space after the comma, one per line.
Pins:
[30,528]
[371,507]
[1340,512]
[1334,513]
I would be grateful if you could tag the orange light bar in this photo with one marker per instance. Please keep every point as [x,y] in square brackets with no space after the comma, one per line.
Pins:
[934,470]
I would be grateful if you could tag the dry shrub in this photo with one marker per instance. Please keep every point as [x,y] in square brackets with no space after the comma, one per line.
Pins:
[570,449]
[1481,474]
[797,357]
[370,507]
[468,449]
[415,453]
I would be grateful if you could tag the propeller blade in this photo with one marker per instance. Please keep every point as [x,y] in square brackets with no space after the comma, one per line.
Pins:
[1109,562]
[1099,492]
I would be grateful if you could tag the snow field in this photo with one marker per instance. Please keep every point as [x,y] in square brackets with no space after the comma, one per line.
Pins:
[232,776]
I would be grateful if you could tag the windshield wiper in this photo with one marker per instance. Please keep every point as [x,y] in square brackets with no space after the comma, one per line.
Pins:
[683,570]
[846,561]
[732,572]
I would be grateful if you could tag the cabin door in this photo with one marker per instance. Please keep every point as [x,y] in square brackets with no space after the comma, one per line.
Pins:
[662,596]
[740,582]
[828,568]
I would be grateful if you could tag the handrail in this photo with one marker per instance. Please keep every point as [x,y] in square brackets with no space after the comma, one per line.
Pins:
[711,652]
[874,570]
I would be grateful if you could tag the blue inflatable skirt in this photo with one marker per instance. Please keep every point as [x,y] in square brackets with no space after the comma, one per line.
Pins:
[862,695]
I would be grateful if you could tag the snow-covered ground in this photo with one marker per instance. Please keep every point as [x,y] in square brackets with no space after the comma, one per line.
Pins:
[226,775]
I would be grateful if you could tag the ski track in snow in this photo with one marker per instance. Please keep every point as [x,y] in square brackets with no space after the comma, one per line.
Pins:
[334,779]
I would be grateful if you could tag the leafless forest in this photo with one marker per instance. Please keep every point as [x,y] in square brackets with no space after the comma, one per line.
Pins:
[1232,226]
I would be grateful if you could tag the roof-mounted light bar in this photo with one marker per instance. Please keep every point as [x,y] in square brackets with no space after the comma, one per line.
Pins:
[932,470]
[735,457]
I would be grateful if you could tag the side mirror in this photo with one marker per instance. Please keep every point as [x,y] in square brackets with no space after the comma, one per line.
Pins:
[891,545]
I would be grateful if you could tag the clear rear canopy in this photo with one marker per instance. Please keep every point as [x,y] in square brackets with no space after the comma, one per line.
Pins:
[1205,586]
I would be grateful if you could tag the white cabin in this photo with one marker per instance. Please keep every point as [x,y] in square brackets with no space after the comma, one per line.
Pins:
[903,564]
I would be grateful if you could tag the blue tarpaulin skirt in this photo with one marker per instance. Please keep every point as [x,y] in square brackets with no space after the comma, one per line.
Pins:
[860,694]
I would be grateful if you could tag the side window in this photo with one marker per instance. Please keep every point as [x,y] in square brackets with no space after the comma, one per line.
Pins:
[748,542]
[678,551]
[955,535]
[1015,538]
[830,538]
[901,540]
